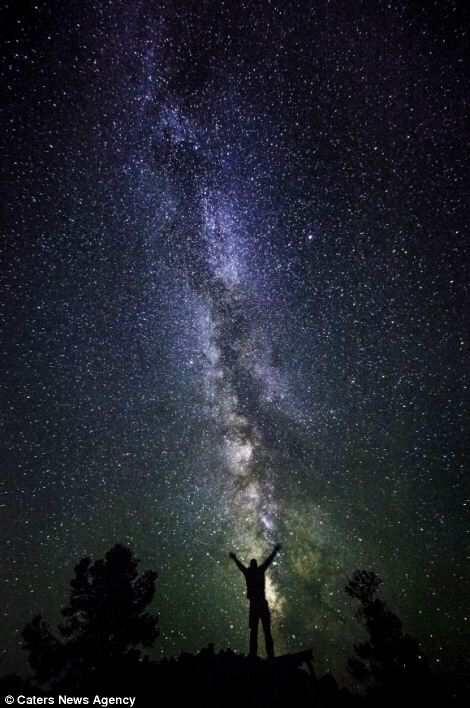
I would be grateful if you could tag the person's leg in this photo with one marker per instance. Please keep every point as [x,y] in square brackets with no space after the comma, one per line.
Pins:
[253,622]
[268,638]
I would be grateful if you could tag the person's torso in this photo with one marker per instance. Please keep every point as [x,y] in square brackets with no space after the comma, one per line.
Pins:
[255,584]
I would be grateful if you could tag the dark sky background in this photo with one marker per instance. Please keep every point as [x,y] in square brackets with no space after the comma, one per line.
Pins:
[234,310]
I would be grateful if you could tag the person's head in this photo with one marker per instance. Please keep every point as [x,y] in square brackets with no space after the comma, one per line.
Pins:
[253,563]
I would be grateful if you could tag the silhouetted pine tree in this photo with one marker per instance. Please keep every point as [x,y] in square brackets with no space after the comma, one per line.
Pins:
[389,662]
[104,624]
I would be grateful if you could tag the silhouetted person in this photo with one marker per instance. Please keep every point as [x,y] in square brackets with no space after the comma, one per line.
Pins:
[259,608]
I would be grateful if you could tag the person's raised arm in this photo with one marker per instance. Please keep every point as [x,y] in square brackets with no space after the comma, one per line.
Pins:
[237,562]
[271,557]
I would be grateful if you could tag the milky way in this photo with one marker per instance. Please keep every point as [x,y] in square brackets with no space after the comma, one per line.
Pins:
[236,264]
[236,372]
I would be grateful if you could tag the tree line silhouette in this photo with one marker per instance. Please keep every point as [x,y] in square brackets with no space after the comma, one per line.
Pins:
[98,647]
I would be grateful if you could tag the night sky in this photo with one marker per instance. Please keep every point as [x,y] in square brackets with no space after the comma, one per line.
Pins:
[234,311]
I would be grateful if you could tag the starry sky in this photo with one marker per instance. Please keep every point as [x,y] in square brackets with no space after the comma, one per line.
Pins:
[234,263]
